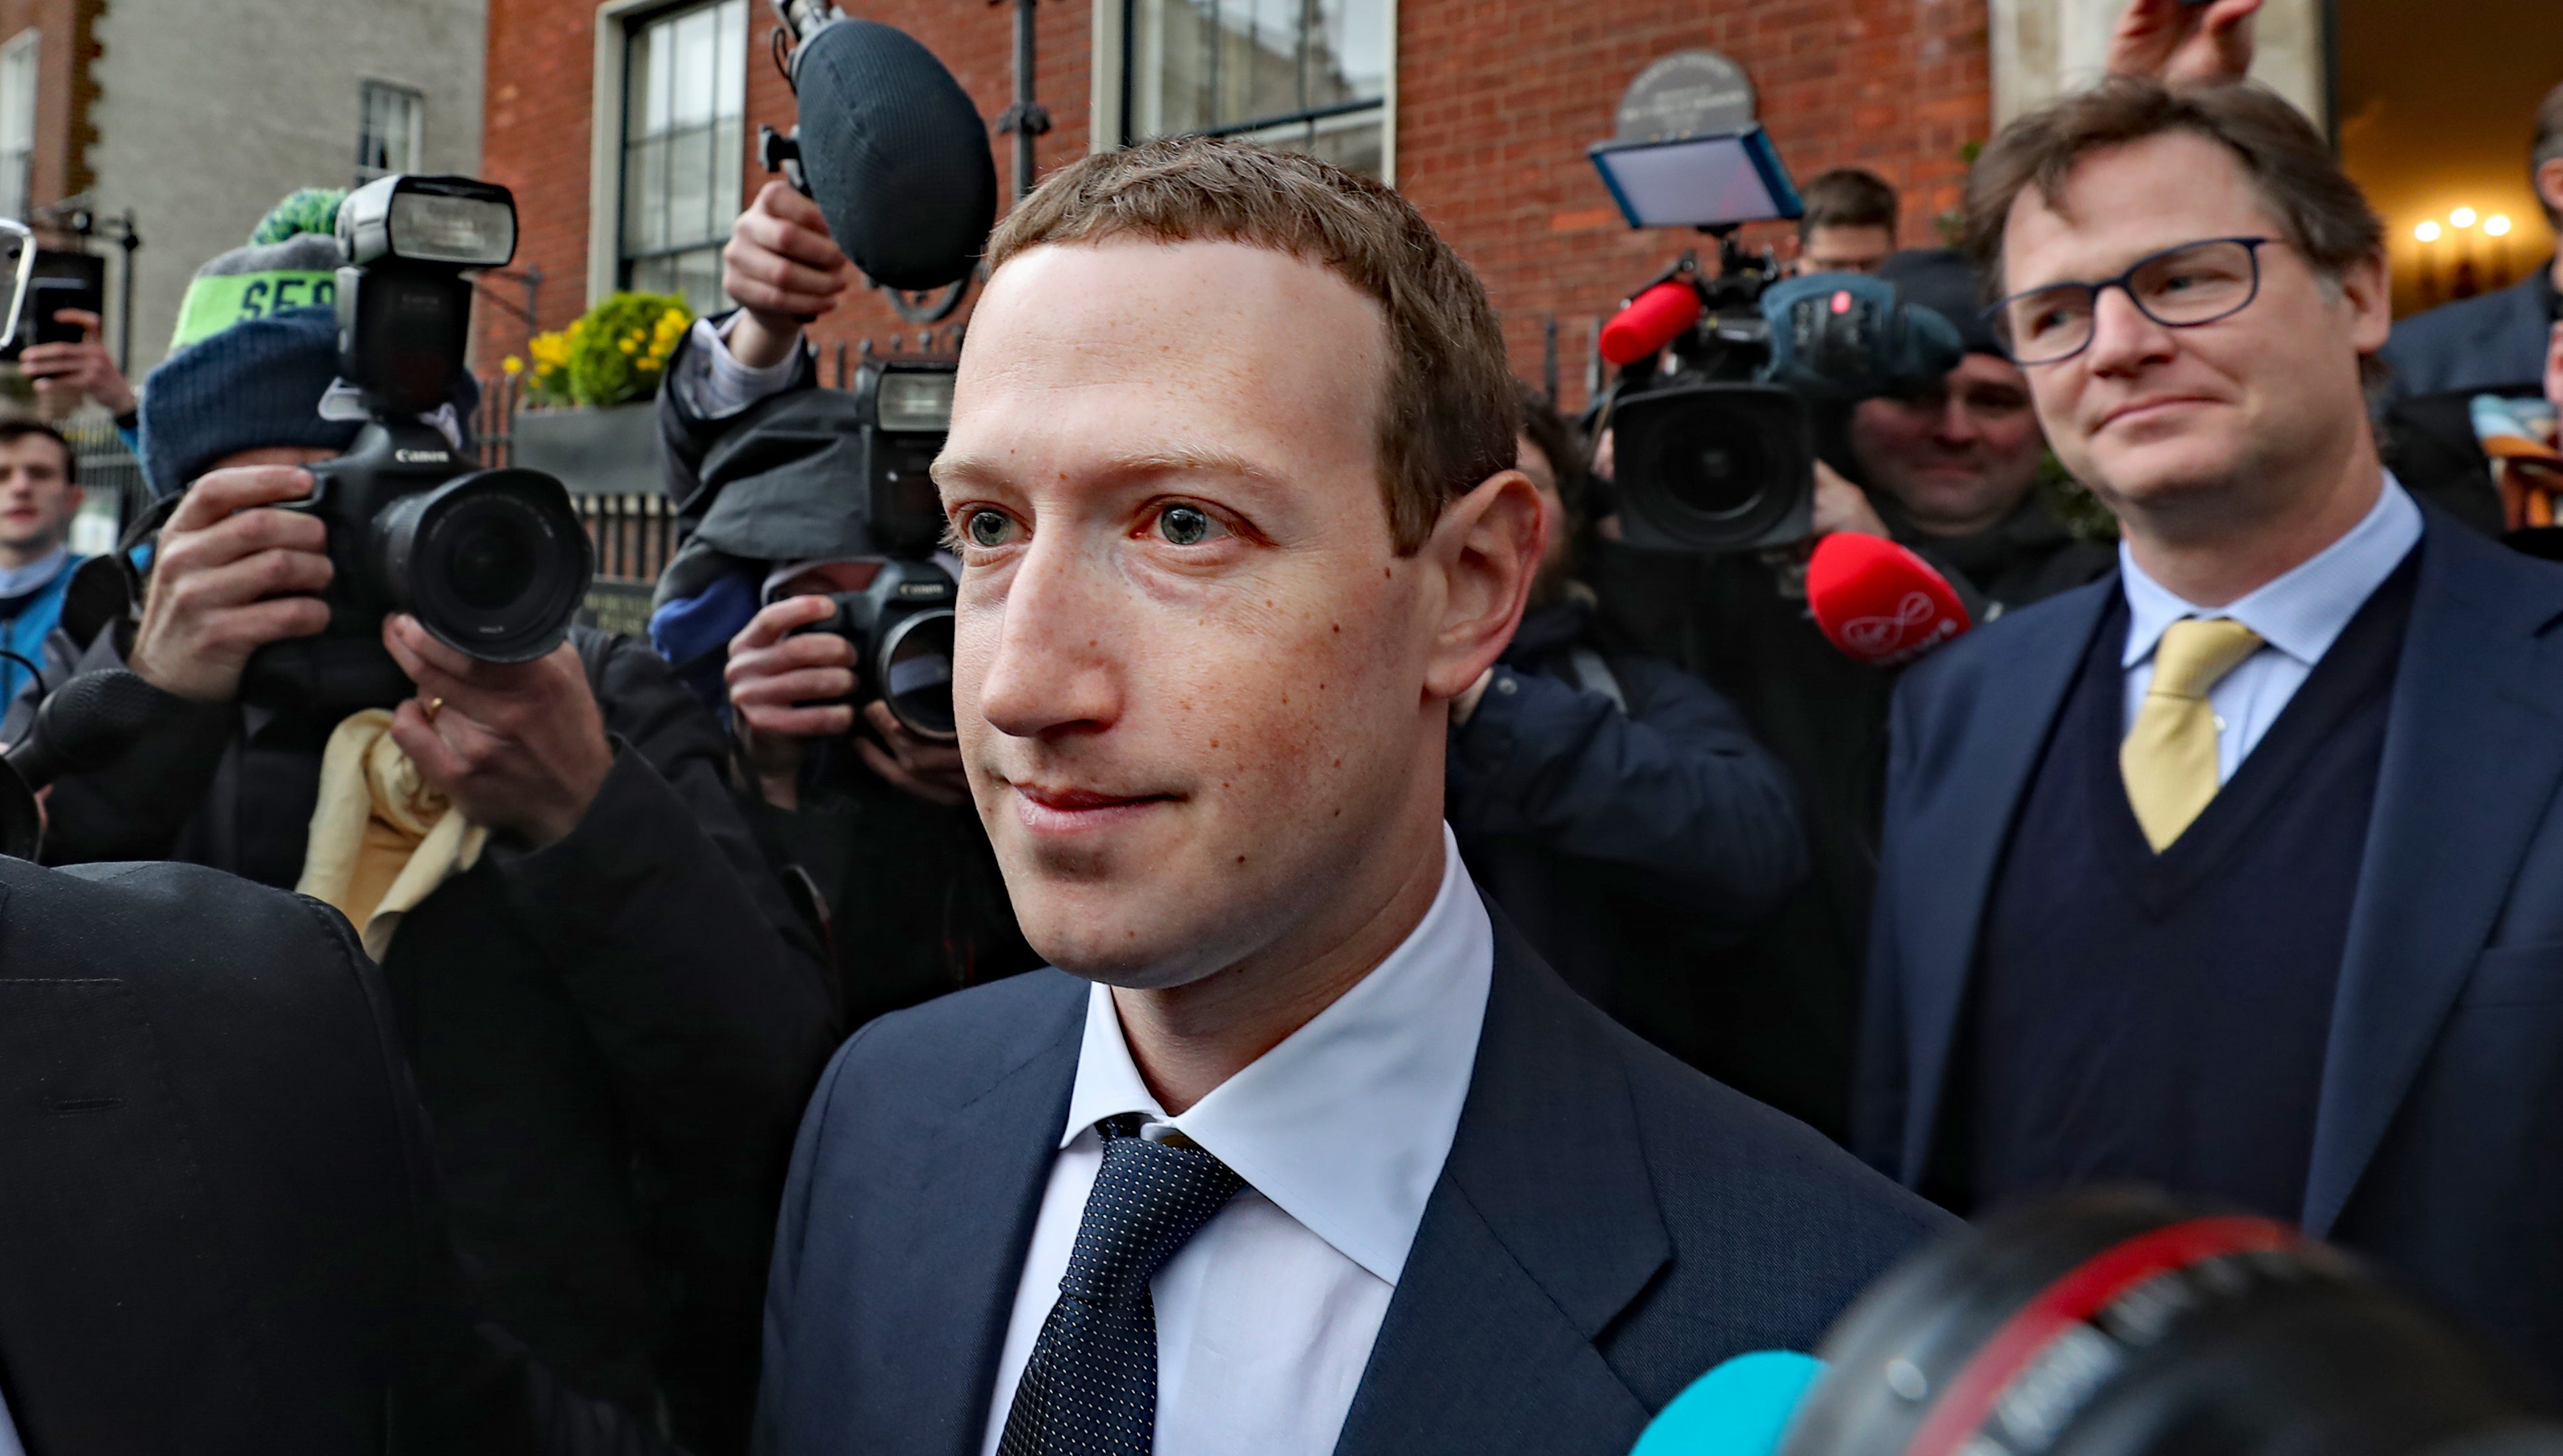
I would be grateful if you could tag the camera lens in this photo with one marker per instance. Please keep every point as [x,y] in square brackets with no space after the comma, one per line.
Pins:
[495,563]
[492,561]
[914,670]
[1715,467]
[1711,468]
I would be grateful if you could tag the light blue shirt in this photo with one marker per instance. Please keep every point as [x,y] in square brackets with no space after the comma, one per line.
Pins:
[18,581]
[2299,616]
[9,1434]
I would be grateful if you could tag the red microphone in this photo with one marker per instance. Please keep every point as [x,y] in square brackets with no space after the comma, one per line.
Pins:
[1652,321]
[1878,602]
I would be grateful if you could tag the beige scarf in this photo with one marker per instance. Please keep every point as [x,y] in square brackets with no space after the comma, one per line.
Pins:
[382,838]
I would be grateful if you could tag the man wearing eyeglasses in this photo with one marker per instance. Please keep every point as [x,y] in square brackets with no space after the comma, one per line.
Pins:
[2239,871]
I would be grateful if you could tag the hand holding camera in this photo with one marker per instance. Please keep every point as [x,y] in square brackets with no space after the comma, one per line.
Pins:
[515,745]
[789,683]
[78,369]
[784,269]
[230,577]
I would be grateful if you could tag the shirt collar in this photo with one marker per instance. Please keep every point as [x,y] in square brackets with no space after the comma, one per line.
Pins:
[19,580]
[1345,1125]
[2301,612]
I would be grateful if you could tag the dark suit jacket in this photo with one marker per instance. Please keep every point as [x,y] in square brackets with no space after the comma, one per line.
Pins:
[2438,1131]
[1609,1225]
[219,1226]
[2483,342]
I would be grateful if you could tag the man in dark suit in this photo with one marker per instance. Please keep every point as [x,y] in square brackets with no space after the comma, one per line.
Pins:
[1301,1151]
[2495,339]
[219,1229]
[2236,872]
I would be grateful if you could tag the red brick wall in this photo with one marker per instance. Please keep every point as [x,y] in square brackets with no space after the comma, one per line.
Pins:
[1497,101]
[65,91]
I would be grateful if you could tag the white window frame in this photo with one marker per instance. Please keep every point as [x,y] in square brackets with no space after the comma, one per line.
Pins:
[615,22]
[1103,97]
[21,53]
[366,90]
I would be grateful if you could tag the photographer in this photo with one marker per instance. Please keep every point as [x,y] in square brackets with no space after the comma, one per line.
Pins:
[875,815]
[612,1011]
[1610,802]
[1848,224]
[39,494]
[1950,471]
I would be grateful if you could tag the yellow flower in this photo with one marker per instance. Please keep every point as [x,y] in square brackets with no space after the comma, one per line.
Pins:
[628,346]
[513,365]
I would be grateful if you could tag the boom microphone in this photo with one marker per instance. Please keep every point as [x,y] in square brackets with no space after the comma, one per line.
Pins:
[1652,321]
[893,151]
[1878,602]
[1740,1408]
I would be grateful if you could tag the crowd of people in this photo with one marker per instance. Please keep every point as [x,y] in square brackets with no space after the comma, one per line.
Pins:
[1385,963]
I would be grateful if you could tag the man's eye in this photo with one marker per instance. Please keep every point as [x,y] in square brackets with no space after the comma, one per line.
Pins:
[988,529]
[1185,526]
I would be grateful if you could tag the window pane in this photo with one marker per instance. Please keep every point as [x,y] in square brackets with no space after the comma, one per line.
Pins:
[1231,64]
[686,89]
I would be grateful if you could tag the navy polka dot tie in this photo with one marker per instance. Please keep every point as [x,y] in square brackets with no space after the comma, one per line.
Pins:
[1091,1388]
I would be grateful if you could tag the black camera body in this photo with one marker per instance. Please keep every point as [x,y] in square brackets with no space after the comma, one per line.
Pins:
[493,563]
[1717,450]
[900,620]
[902,630]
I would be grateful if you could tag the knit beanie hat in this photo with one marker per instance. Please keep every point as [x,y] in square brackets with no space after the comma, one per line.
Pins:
[256,383]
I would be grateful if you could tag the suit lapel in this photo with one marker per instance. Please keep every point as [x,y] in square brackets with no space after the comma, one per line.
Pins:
[118,1329]
[978,1194]
[1543,1228]
[1949,851]
[2468,773]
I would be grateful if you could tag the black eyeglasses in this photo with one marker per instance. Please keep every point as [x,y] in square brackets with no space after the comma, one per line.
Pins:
[2178,288]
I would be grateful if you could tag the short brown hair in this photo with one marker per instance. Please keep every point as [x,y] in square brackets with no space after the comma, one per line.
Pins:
[2547,147]
[1447,418]
[13,431]
[2325,217]
[1847,197]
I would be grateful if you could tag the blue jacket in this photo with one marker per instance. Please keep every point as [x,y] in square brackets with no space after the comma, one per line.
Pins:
[28,632]
[2484,342]
[2439,1127]
[1609,1225]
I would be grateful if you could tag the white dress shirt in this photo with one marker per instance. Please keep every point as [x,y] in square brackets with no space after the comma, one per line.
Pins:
[715,385]
[2298,614]
[1265,1317]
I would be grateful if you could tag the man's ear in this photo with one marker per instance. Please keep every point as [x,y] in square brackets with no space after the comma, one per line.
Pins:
[2367,287]
[2549,184]
[1488,547]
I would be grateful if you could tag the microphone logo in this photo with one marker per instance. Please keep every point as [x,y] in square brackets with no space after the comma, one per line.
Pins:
[1879,636]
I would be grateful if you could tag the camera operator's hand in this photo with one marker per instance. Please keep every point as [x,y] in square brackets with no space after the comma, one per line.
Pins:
[1843,507]
[227,579]
[73,372]
[2178,44]
[929,771]
[782,267]
[777,684]
[515,745]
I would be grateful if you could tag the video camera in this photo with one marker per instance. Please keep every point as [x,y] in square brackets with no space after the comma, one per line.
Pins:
[1715,444]
[493,563]
[897,611]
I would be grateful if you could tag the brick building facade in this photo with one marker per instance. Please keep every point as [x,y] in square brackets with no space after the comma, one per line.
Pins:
[1489,106]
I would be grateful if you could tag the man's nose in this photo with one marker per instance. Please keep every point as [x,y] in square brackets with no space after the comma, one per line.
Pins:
[1052,668]
[1957,422]
[2123,337]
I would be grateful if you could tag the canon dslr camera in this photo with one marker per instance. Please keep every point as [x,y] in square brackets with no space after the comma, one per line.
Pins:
[898,610]
[493,563]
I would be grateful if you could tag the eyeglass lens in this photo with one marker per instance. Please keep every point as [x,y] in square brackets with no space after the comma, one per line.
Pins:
[2198,283]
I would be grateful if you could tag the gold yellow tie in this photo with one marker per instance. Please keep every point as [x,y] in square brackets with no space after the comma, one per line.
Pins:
[2169,758]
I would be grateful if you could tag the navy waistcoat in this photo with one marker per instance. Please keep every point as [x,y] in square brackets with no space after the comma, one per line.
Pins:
[2161,1018]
